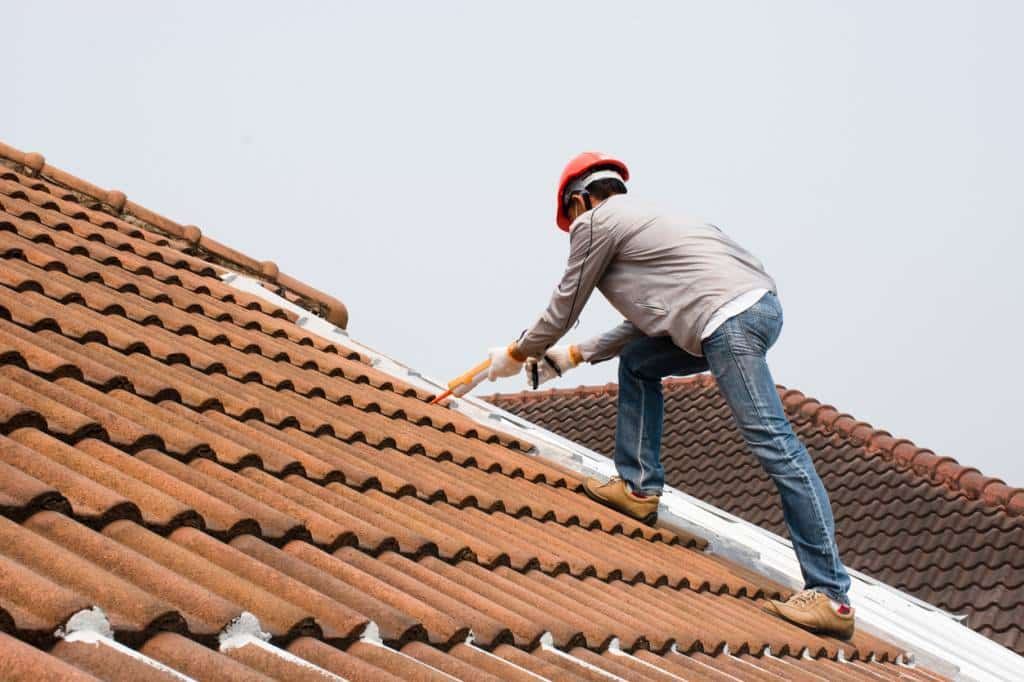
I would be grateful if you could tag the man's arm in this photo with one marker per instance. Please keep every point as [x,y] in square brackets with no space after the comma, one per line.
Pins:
[590,250]
[608,345]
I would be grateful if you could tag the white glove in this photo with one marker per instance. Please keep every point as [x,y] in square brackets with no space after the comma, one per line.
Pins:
[505,362]
[556,361]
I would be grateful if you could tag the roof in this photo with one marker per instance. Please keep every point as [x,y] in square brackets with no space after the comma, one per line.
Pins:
[923,523]
[183,238]
[200,479]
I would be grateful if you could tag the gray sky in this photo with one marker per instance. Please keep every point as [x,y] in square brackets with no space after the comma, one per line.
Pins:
[403,156]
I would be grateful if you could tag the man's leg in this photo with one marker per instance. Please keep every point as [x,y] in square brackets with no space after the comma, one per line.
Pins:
[736,355]
[642,365]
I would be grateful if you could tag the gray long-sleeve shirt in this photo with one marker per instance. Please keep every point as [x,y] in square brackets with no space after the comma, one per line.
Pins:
[666,275]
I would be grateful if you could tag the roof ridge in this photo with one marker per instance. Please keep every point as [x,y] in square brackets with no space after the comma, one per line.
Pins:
[903,451]
[114,202]
[922,461]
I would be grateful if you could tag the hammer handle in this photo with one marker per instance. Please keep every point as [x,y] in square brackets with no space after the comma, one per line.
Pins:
[469,376]
[462,379]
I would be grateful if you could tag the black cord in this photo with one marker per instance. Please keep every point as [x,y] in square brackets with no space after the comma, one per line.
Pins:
[554,365]
[579,280]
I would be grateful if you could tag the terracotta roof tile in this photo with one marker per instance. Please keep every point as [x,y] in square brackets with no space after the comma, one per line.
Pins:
[19,661]
[109,664]
[22,494]
[237,506]
[923,523]
[34,604]
[337,621]
[155,508]
[273,665]
[197,661]
[279,616]
[439,625]
[394,625]
[533,664]
[42,177]
[60,558]
[400,665]
[180,453]
[87,498]
[350,664]
[472,664]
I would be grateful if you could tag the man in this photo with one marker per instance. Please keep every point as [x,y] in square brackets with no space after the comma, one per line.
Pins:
[693,300]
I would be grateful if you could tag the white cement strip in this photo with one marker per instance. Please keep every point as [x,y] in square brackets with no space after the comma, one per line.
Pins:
[371,636]
[524,671]
[92,627]
[547,643]
[615,650]
[246,631]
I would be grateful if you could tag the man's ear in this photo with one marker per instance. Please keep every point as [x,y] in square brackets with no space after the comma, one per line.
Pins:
[577,205]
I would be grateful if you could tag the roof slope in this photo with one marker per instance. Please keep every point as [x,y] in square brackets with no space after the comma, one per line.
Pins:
[922,523]
[241,497]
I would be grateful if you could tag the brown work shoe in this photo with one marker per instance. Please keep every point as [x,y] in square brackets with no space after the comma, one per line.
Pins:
[617,495]
[814,611]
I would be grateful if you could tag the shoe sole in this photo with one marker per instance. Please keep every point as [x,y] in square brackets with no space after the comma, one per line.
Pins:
[648,520]
[830,633]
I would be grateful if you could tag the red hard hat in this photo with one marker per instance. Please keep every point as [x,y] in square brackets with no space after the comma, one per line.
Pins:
[581,164]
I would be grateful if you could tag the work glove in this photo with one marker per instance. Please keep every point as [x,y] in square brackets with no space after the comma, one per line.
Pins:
[505,362]
[556,361]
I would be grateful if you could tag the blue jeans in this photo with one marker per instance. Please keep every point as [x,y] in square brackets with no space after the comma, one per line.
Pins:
[735,354]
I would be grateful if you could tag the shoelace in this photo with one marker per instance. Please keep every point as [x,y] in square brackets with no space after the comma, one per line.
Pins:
[803,598]
[615,479]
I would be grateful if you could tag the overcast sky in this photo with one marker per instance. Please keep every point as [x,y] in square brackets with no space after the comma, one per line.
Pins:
[403,157]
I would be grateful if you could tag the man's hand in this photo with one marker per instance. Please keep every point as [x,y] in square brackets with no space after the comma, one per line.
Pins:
[556,361]
[505,362]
